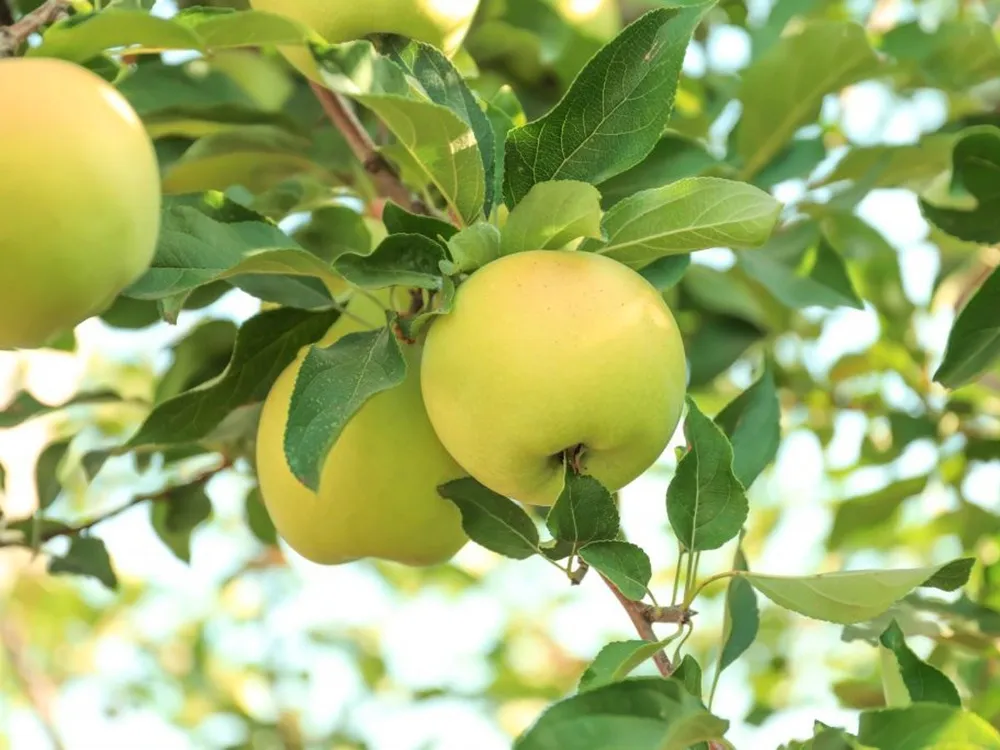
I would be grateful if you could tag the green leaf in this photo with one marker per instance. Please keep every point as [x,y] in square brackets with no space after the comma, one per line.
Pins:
[474,247]
[258,519]
[752,421]
[970,206]
[85,36]
[87,556]
[491,520]
[332,385]
[664,273]
[689,673]
[47,479]
[25,406]
[551,215]
[802,269]
[219,239]
[692,214]
[175,516]
[780,94]
[845,597]
[706,504]
[742,618]
[974,341]
[622,563]
[924,683]
[862,519]
[445,86]
[398,220]
[638,714]
[609,661]
[410,260]
[437,142]
[911,166]
[674,157]
[956,54]
[926,726]
[613,114]
[585,511]
[265,345]
[335,230]
[198,357]
[952,576]
[796,161]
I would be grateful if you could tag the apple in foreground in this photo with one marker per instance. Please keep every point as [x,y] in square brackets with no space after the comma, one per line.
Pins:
[80,195]
[378,488]
[549,356]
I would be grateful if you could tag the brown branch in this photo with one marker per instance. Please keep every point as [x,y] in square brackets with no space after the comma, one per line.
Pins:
[163,495]
[36,686]
[637,613]
[13,36]
[387,181]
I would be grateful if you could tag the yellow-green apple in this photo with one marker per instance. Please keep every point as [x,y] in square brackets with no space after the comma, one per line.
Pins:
[378,488]
[548,356]
[79,198]
[442,23]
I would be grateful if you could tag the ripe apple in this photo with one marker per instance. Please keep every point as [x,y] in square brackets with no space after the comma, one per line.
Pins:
[550,354]
[378,489]
[79,197]
[442,23]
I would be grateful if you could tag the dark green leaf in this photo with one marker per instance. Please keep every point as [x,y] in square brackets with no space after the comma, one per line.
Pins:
[87,556]
[491,520]
[689,673]
[622,563]
[752,421]
[706,504]
[25,406]
[952,576]
[410,260]
[258,519]
[398,220]
[924,683]
[265,345]
[638,714]
[47,473]
[332,385]
[742,620]
[974,341]
[585,511]
[969,208]
[628,87]
[175,516]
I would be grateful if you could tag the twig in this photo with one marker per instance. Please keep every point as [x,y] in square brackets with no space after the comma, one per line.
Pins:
[13,36]
[637,614]
[387,182]
[37,687]
[163,495]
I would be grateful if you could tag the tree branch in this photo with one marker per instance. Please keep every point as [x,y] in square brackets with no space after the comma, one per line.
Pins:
[163,495]
[13,36]
[36,686]
[638,614]
[387,182]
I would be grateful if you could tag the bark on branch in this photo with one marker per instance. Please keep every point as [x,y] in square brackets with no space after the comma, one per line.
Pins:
[13,36]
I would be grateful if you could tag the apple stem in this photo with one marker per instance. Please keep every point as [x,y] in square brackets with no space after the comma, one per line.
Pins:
[387,181]
[13,36]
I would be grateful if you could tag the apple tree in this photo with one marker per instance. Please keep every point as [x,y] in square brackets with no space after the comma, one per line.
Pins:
[579,374]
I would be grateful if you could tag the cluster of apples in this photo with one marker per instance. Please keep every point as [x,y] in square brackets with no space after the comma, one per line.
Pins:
[548,356]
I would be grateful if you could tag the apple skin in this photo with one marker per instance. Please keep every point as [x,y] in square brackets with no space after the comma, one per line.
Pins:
[442,23]
[378,488]
[80,197]
[547,350]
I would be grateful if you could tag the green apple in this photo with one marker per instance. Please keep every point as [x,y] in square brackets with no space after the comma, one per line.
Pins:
[442,23]
[601,19]
[378,488]
[79,197]
[549,354]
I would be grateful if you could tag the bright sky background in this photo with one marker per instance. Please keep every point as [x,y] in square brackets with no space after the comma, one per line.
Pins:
[438,640]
